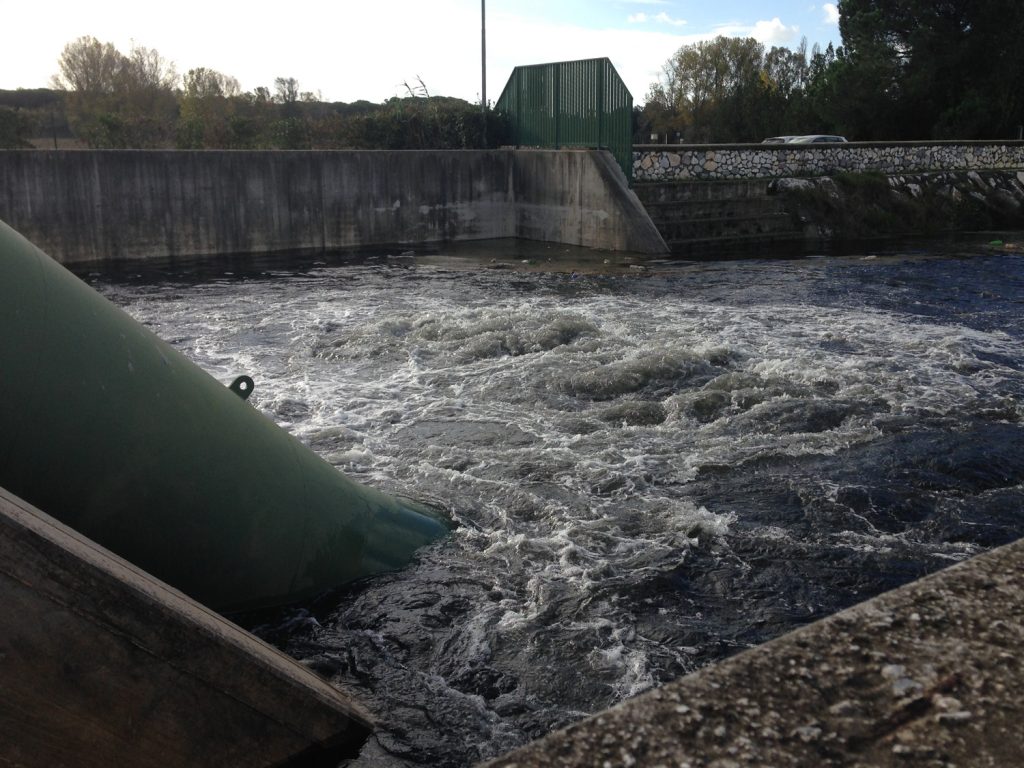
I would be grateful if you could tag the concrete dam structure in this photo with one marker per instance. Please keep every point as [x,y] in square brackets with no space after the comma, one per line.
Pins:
[92,206]
[694,200]
[926,675]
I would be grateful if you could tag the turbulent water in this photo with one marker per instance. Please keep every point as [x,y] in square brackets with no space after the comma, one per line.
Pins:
[650,468]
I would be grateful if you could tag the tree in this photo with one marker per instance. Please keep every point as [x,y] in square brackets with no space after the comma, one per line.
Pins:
[148,102]
[14,129]
[208,104]
[88,66]
[717,90]
[203,83]
[949,69]
[145,69]
[37,112]
[138,101]
[286,90]
[786,71]
[116,100]
[90,71]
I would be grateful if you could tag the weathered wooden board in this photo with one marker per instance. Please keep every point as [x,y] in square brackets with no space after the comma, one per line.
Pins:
[102,665]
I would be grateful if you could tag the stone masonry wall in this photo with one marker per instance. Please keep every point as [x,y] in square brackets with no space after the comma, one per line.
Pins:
[710,162]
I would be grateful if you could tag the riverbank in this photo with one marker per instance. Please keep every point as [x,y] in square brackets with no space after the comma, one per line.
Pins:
[855,206]
[741,218]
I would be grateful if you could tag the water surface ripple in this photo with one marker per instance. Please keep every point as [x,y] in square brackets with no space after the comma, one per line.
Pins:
[651,470]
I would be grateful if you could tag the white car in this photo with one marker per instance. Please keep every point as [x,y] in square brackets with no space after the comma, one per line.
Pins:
[817,139]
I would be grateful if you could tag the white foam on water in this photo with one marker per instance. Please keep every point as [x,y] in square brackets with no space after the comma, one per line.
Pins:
[564,429]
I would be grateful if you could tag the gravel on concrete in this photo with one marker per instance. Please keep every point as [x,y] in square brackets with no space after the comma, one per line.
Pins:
[929,674]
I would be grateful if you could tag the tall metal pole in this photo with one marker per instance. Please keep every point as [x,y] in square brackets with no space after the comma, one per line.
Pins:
[483,67]
[483,55]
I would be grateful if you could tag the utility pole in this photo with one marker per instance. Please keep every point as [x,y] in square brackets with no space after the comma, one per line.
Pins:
[483,67]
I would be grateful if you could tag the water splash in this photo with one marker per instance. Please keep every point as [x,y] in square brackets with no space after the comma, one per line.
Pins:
[650,472]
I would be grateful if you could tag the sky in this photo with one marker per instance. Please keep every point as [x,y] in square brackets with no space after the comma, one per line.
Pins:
[345,50]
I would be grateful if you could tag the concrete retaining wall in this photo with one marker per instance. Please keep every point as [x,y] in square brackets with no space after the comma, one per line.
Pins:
[703,162]
[83,206]
[580,198]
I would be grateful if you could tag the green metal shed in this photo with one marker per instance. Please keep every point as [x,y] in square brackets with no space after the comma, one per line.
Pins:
[581,104]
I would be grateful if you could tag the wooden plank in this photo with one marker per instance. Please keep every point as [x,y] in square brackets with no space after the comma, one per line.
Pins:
[101,664]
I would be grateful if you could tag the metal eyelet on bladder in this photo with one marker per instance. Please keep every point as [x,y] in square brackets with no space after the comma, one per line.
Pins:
[242,386]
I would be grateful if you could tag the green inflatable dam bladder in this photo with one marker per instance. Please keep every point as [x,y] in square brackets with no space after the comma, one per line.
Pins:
[117,435]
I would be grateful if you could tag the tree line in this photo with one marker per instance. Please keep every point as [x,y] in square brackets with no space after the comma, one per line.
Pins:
[106,99]
[906,70]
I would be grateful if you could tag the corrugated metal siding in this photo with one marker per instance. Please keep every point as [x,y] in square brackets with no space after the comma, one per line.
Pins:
[570,104]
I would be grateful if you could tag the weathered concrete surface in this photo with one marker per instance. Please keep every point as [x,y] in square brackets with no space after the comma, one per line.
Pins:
[930,674]
[88,206]
[705,219]
[102,665]
[580,198]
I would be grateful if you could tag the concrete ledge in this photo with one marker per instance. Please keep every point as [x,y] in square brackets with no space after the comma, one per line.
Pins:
[927,675]
[102,665]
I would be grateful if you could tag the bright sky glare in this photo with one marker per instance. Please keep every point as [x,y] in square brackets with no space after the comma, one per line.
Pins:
[346,50]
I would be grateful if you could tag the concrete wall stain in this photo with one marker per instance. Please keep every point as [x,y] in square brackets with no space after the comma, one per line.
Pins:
[85,206]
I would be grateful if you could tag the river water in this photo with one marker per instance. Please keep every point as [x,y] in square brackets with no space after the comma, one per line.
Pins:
[651,468]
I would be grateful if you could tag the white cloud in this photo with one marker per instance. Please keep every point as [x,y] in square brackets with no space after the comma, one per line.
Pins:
[664,18]
[775,31]
[772,32]
[661,18]
[831,13]
[351,52]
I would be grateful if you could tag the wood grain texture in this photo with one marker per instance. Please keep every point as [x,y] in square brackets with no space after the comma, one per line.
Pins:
[101,665]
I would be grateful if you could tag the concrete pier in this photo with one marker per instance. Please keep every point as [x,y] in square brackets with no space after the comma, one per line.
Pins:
[930,674]
[103,665]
